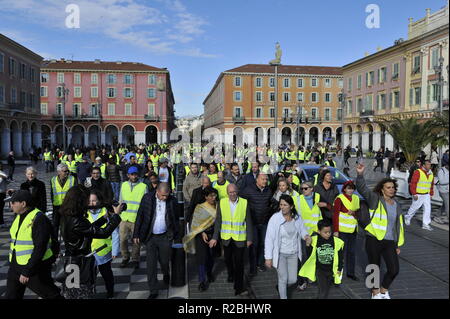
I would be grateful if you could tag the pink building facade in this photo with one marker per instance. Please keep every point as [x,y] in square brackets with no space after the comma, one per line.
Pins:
[106,103]
[20,123]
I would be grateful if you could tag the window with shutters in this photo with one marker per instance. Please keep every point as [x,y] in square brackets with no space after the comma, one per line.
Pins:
[396,99]
[314,113]
[417,95]
[359,81]
[328,97]
[286,83]
[59,91]
[434,57]
[94,91]
[258,96]
[350,84]
[314,82]
[111,92]
[286,112]
[77,78]
[259,112]
[300,83]
[258,82]
[272,96]
[94,78]
[44,77]
[327,114]
[237,81]
[111,109]
[238,112]
[360,104]
[94,109]
[76,110]
[128,93]
[272,112]
[395,71]
[2,93]
[128,79]
[416,64]
[237,96]
[128,109]
[151,109]
[44,91]
[435,90]
[151,93]
[286,97]
[327,83]
[59,109]
[151,79]
[2,62]
[314,98]
[112,79]
[77,91]
[299,97]
[339,114]
[349,107]
[272,82]
[44,108]
[60,78]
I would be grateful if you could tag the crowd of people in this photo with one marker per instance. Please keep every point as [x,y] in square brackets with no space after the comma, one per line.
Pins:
[105,200]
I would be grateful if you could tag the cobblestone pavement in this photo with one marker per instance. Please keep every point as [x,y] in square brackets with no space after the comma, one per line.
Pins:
[424,269]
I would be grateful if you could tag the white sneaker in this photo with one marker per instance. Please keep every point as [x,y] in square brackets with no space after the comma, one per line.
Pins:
[407,221]
[427,227]
[385,295]
[377,296]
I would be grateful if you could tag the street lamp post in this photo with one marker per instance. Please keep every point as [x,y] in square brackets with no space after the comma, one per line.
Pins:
[64,93]
[438,70]
[342,98]
[161,88]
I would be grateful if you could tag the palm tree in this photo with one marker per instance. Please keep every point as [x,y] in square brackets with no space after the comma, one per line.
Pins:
[412,136]
[441,128]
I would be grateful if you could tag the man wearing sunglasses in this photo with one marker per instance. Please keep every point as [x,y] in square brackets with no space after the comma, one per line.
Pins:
[60,184]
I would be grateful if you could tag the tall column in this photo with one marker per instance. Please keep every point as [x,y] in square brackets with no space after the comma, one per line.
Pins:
[424,80]
[17,146]
[164,136]
[365,141]
[139,137]
[320,136]
[69,138]
[354,139]
[86,139]
[102,138]
[376,141]
[119,137]
[6,142]
[27,144]
[52,138]
[389,141]
[306,137]
[346,139]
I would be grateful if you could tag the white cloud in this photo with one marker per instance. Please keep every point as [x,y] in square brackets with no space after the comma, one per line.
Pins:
[128,21]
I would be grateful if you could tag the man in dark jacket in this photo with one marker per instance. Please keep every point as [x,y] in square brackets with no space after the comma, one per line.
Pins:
[157,226]
[84,169]
[234,177]
[328,192]
[259,198]
[36,189]
[101,184]
[250,178]
[35,273]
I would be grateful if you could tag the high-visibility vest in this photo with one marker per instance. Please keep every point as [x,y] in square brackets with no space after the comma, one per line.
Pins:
[316,179]
[221,167]
[308,156]
[279,157]
[187,169]
[212,177]
[266,169]
[308,270]
[103,170]
[424,182]
[64,159]
[301,155]
[97,242]
[233,225]
[347,222]
[48,156]
[154,160]
[221,189]
[23,243]
[310,216]
[133,199]
[72,166]
[249,167]
[59,193]
[291,156]
[140,158]
[378,224]
[78,157]
[117,158]
[328,163]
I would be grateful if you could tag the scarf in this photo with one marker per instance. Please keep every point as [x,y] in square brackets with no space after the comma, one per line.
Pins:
[204,217]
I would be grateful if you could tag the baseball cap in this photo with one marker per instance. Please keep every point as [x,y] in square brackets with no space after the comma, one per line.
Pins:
[133,170]
[20,196]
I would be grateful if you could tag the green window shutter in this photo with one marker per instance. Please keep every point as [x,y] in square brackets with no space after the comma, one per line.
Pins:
[390,99]
[428,94]
[411,96]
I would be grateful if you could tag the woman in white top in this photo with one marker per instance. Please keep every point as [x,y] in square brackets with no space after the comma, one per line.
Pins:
[283,244]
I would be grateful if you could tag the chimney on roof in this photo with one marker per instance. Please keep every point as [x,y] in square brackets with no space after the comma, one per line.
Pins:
[69,61]
[119,62]
[97,61]
[53,61]
[62,60]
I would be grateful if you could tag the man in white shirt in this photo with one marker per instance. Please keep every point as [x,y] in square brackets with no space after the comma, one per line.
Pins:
[442,186]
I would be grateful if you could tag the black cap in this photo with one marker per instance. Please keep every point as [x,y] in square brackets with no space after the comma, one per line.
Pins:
[21,196]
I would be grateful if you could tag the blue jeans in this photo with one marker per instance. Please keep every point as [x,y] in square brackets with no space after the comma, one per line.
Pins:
[256,250]
[116,190]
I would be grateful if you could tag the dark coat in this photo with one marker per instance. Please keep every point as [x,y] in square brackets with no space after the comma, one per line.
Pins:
[38,194]
[78,232]
[327,196]
[104,187]
[146,217]
[83,171]
[248,180]
[259,203]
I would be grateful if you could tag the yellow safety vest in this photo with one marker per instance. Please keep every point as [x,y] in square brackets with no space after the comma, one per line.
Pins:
[310,216]
[187,169]
[78,158]
[291,156]
[301,155]
[117,158]
[48,156]
[221,189]
[97,242]
[233,225]
[308,270]
[23,243]
[59,193]
[424,182]
[329,164]
[72,166]
[64,159]
[140,159]
[378,224]
[103,170]
[133,199]
[212,177]
[347,222]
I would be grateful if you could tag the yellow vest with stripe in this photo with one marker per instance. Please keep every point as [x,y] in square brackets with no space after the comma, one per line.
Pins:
[59,193]
[78,158]
[233,226]
[310,216]
[308,270]
[140,158]
[154,160]
[64,159]
[103,170]
[291,156]
[212,177]
[48,156]
[328,163]
[222,189]
[187,169]
[424,182]
[308,155]
[133,199]
[72,166]
[379,222]
[117,158]
[23,243]
[97,242]
[347,222]
[301,155]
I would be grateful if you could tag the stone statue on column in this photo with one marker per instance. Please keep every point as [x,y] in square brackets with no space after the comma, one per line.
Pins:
[278,53]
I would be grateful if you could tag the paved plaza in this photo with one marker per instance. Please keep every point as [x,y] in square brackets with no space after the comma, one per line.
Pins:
[424,268]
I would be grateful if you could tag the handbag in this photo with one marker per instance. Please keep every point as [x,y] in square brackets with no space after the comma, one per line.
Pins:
[86,265]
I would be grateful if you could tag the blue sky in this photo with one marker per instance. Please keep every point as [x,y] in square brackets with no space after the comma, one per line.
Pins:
[198,39]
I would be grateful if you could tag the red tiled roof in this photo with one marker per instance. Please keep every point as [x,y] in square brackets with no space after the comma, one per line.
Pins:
[288,69]
[100,65]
